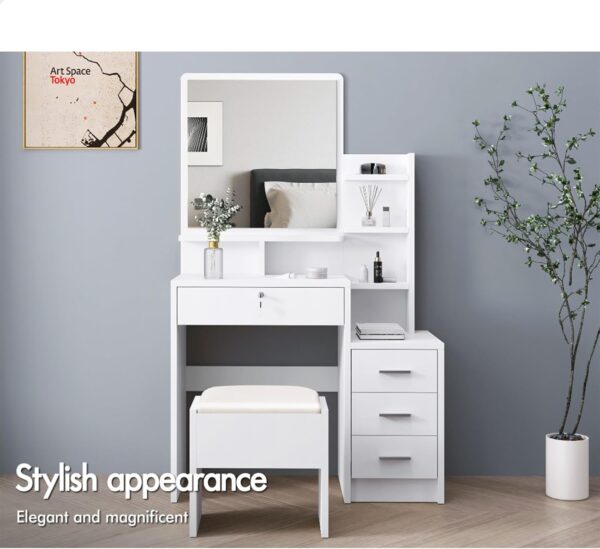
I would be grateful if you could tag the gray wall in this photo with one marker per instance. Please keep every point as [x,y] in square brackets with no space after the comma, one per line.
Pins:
[88,242]
[266,124]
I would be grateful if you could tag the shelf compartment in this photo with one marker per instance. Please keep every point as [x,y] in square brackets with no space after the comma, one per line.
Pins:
[415,340]
[319,378]
[266,235]
[359,177]
[356,343]
[376,230]
[380,285]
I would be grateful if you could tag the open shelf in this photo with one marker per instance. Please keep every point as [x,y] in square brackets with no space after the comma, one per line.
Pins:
[266,235]
[375,343]
[412,341]
[379,285]
[376,230]
[322,378]
[376,177]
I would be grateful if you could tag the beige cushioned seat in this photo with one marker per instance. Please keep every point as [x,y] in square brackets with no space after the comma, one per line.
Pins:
[248,399]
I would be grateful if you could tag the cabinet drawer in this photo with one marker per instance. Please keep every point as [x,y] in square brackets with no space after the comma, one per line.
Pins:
[394,414]
[398,370]
[245,306]
[394,457]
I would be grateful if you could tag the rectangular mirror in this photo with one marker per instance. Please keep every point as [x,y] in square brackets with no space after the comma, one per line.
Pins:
[275,139]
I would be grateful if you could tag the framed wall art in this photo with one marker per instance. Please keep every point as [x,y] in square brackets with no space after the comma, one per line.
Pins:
[205,133]
[80,100]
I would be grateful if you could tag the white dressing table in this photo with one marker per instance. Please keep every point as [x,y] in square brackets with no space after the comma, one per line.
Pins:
[390,409]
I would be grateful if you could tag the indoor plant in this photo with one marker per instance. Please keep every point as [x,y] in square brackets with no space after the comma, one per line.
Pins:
[215,216]
[559,234]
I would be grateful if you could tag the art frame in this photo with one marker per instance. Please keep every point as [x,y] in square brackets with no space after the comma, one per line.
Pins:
[116,124]
[205,133]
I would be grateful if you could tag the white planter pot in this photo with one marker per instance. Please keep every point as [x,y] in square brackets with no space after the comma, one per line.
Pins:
[568,468]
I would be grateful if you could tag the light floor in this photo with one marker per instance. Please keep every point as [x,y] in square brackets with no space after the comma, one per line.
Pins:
[480,511]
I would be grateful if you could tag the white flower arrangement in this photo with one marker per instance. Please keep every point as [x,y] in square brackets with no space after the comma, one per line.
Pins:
[216,213]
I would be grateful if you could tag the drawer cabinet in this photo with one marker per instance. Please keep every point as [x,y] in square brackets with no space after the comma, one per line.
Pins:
[394,414]
[381,371]
[397,442]
[260,306]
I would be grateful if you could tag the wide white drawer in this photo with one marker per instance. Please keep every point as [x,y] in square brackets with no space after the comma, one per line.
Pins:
[394,414]
[394,457]
[397,370]
[260,306]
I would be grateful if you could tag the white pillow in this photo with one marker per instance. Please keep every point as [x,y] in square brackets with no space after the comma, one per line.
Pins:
[301,205]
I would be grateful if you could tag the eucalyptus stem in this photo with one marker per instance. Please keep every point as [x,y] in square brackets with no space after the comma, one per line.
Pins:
[216,213]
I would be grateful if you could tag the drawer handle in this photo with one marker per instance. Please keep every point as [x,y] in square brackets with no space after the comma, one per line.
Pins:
[395,371]
[394,414]
[397,458]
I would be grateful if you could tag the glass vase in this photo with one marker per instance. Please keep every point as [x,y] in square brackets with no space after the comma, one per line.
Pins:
[213,260]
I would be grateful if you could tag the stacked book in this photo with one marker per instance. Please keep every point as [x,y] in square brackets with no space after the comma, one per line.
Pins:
[379,330]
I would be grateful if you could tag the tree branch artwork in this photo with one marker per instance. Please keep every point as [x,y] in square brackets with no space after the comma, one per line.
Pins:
[89,139]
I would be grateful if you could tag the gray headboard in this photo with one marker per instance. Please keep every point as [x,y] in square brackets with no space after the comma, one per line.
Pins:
[259,206]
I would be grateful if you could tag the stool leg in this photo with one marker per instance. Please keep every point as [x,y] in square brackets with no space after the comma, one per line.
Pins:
[195,510]
[324,501]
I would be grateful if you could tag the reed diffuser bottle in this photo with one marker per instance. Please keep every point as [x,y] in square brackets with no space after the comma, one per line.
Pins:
[370,195]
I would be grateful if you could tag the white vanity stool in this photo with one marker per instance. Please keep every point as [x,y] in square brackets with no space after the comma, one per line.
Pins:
[260,426]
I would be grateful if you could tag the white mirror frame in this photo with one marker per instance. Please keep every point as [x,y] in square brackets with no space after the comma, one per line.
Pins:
[188,234]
